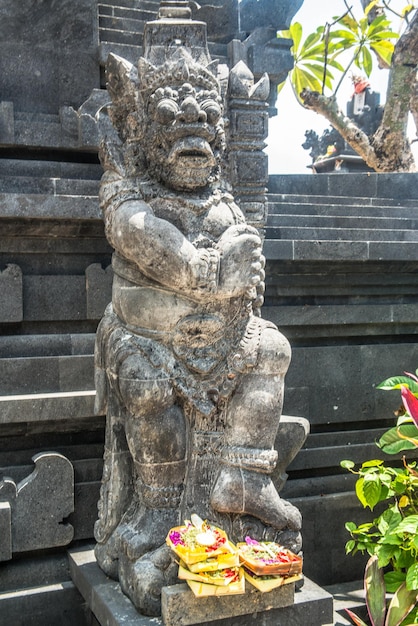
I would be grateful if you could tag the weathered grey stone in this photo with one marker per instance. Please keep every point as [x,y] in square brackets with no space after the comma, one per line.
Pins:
[54,603]
[46,407]
[98,289]
[5,529]
[110,606]
[46,498]
[270,14]
[11,287]
[181,608]
[41,51]
[189,374]
[44,297]
[7,129]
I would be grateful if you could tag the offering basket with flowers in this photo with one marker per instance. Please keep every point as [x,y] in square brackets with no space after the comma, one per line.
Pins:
[268,565]
[209,562]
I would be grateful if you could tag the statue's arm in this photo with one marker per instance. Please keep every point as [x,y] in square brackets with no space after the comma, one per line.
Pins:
[232,267]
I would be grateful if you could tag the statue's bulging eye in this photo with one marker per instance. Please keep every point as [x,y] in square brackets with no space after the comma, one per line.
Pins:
[166,111]
[212,110]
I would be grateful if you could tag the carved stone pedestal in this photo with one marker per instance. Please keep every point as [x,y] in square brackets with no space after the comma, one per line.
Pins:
[281,607]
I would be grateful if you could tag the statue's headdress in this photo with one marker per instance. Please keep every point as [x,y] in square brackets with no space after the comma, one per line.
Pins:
[174,51]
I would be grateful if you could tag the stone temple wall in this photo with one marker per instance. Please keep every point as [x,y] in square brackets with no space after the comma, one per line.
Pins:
[341,284]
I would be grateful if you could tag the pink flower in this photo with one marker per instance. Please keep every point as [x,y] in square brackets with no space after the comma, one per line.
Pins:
[410,403]
[251,542]
[176,538]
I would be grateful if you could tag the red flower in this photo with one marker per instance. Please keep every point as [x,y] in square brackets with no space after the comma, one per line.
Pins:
[410,403]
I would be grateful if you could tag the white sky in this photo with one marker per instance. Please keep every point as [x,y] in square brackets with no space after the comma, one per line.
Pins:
[287,129]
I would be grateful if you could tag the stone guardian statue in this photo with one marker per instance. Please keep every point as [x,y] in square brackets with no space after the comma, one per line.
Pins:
[190,377]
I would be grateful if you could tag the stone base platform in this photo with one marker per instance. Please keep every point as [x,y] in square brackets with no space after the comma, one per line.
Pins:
[111,607]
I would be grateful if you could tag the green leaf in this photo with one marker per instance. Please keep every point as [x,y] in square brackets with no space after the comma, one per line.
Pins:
[350,526]
[367,61]
[346,464]
[360,493]
[385,553]
[408,525]
[395,382]
[370,6]
[295,33]
[393,580]
[350,546]
[412,577]
[391,443]
[402,603]
[372,489]
[373,463]
[375,591]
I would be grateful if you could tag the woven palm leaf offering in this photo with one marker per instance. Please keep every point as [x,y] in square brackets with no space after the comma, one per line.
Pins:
[209,562]
[268,565]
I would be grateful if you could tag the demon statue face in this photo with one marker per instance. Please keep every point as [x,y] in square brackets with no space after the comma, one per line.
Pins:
[183,136]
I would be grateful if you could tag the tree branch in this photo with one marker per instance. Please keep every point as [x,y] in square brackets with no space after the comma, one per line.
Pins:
[353,135]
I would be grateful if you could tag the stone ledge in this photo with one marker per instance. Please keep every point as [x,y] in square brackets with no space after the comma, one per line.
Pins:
[46,406]
[113,608]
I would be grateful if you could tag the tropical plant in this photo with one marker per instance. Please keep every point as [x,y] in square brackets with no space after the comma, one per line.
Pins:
[400,605]
[318,57]
[392,537]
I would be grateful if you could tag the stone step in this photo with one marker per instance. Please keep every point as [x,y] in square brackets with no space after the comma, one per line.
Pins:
[49,185]
[55,603]
[33,408]
[343,222]
[46,206]
[339,250]
[365,184]
[111,607]
[356,235]
[276,200]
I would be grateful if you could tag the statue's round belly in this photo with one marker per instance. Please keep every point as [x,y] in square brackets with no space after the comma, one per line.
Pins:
[149,307]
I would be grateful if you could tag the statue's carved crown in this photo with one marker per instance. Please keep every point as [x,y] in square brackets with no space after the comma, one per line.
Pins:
[179,68]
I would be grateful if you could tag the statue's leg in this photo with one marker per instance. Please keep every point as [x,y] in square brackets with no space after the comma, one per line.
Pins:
[243,484]
[156,434]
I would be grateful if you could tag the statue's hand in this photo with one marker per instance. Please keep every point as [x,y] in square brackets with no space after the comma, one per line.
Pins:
[241,261]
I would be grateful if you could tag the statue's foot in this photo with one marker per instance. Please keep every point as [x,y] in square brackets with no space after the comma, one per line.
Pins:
[142,580]
[145,531]
[243,491]
[107,557]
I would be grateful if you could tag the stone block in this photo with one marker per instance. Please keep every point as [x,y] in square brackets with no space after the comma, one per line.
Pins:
[331,250]
[28,375]
[53,603]
[103,595]
[398,185]
[43,502]
[181,608]
[267,14]
[5,530]
[54,298]
[53,407]
[7,124]
[11,288]
[43,48]
[76,372]
[98,289]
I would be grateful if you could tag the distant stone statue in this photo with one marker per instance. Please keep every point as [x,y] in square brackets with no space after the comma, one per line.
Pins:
[191,378]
